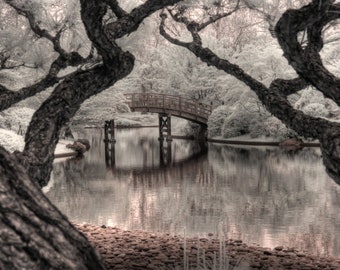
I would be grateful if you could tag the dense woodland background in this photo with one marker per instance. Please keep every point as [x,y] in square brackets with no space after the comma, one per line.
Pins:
[161,67]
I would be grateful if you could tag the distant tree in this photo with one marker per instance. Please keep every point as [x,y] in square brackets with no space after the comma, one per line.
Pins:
[34,234]
[304,57]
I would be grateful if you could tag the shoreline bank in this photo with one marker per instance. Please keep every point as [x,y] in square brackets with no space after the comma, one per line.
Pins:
[121,249]
[230,141]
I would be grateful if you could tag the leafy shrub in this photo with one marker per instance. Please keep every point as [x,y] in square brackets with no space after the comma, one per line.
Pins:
[216,120]
[275,128]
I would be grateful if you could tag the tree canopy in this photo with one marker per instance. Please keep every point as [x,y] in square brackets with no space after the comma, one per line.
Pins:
[78,49]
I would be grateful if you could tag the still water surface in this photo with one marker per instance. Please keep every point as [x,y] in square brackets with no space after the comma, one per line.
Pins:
[263,196]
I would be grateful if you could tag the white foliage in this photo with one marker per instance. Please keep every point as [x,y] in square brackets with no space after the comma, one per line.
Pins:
[74,37]
[234,127]
[316,110]
[143,41]
[124,122]
[51,14]
[239,122]
[135,119]
[40,55]
[276,129]
[16,118]
[308,96]
[216,121]
[11,141]
[161,67]
[264,62]
[12,39]
[130,5]
[313,103]
[256,127]
[102,107]
[330,55]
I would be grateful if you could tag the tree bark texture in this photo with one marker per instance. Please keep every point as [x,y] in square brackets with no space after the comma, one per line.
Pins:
[307,61]
[33,233]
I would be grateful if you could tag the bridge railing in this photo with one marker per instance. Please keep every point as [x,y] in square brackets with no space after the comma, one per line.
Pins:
[169,102]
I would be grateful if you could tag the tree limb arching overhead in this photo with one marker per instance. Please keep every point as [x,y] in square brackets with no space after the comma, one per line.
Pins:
[307,61]
[9,97]
[274,98]
[34,234]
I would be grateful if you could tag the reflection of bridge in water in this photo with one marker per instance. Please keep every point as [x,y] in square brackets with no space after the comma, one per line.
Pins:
[166,160]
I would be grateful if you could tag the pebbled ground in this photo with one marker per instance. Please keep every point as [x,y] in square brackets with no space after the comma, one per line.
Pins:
[143,250]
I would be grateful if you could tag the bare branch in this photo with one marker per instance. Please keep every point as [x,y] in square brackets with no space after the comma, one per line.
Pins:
[116,9]
[3,59]
[42,33]
[9,98]
[215,18]
[131,21]
[192,26]
[288,87]
[307,61]
[4,90]
[169,37]
[274,98]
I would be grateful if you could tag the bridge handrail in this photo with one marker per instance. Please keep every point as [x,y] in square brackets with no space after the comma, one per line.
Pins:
[165,101]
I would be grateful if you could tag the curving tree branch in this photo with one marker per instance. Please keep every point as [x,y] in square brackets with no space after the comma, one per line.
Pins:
[274,98]
[65,59]
[43,132]
[216,17]
[34,234]
[307,61]
[116,9]
[289,87]
[129,23]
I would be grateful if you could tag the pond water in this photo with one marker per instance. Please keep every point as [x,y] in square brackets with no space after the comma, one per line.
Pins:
[263,196]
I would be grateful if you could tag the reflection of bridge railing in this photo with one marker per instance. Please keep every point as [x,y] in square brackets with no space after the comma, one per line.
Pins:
[169,104]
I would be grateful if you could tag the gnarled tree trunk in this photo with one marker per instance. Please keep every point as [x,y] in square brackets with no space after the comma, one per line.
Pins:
[33,233]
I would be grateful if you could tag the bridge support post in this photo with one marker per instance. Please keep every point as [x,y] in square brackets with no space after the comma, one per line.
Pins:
[164,127]
[109,141]
[165,153]
[202,133]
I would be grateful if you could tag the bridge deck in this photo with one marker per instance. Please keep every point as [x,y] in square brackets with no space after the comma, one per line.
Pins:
[169,104]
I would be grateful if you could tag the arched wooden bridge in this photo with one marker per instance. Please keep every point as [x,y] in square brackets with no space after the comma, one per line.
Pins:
[170,105]
[166,106]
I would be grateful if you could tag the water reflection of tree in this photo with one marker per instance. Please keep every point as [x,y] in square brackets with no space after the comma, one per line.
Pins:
[271,188]
[262,196]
